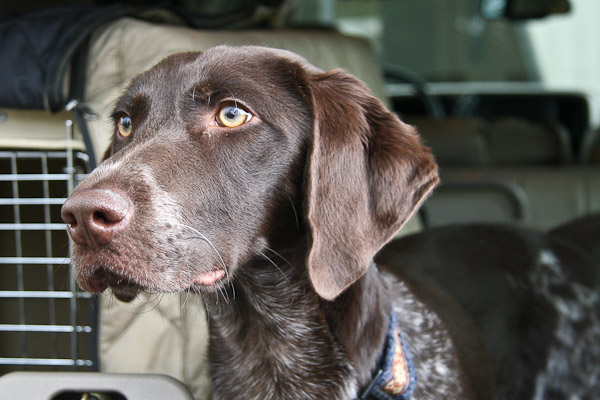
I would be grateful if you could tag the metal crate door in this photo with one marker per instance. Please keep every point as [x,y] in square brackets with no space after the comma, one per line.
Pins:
[46,323]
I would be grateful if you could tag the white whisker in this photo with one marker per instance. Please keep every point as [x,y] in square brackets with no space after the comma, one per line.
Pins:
[280,256]
[220,259]
[295,212]
[201,236]
[224,294]
[207,309]
[277,266]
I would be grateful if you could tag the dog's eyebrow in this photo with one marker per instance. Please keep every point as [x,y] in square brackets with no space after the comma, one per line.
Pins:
[137,104]
[203,94]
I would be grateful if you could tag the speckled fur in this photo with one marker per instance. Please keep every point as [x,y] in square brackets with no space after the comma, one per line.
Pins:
[572,367]
[532,299]
[438,370]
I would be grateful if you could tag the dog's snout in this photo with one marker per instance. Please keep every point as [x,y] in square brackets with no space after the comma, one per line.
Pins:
[94,216]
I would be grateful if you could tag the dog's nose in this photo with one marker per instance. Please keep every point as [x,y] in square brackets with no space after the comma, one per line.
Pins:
[94,216]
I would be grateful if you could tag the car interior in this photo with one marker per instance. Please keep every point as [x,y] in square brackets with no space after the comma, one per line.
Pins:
[516,143]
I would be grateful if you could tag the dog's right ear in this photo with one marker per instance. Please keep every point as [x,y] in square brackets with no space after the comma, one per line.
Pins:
[367,173]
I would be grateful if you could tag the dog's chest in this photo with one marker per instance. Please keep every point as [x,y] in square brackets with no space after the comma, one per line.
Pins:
[276,350]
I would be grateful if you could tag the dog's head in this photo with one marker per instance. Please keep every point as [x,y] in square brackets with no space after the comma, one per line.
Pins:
[218,155]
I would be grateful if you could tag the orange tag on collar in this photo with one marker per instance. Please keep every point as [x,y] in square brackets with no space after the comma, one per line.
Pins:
[400,379]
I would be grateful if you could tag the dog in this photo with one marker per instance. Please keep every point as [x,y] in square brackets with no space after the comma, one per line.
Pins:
[268,185]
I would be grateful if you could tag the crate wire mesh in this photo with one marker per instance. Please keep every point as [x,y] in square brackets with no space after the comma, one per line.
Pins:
[46,322]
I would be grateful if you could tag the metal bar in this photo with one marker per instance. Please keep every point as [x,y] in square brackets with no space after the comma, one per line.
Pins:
[35,260]
[44,328]
[33,177]
[39,201]
[42,294]
[26,154]
[48,253]
[32,154]
[51,154]
[70,169]
[34,226]
[20,328]
[19,254]
[46,362]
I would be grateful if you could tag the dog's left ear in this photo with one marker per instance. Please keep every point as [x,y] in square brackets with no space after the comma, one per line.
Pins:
[367,173]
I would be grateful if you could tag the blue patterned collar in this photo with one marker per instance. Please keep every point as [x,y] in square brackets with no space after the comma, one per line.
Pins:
[396,377]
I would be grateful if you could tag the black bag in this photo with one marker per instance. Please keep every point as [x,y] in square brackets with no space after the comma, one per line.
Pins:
[37,50]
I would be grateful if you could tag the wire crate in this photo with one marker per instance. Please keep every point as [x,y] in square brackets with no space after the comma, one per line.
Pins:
[46,322]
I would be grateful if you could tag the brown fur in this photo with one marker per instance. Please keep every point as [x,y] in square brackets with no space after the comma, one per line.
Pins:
[290,208]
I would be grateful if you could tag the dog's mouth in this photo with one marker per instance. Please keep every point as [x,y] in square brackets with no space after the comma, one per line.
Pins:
[123,287]
[126,289]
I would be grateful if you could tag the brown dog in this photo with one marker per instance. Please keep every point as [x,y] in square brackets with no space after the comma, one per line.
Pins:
[268,185]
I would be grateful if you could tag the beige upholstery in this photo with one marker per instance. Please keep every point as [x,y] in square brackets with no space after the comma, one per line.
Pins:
[550,195]
[32,129]
[509,170]
[515,141]
[506,141]
[455,142]
[164,334]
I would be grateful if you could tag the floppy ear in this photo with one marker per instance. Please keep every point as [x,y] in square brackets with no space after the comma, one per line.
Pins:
[367,173]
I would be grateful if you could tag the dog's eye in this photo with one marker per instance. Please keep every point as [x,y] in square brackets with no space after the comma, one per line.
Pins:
[232,116]
[124,125]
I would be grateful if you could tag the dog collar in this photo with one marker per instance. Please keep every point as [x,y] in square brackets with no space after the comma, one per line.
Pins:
[396,377]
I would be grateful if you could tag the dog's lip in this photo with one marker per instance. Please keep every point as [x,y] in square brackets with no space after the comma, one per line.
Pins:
[123,288]
[93,285]
[209,278]
[126,293]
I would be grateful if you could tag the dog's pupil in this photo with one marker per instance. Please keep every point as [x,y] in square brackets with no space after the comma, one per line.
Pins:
[232,112]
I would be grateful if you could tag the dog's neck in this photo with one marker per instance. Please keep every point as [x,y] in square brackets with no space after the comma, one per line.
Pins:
[272,336]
